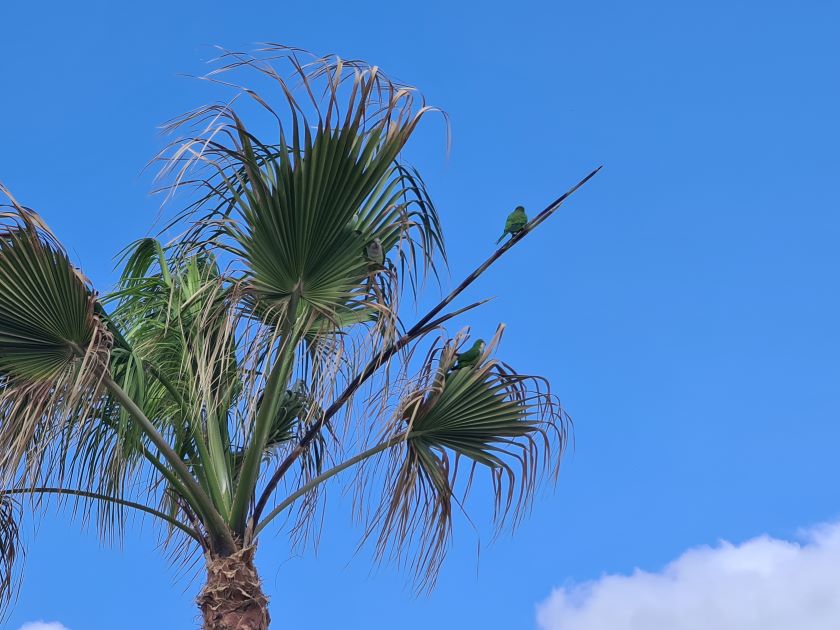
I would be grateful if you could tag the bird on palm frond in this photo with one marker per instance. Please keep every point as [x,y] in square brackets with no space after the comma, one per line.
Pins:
[515,223]
[470,357]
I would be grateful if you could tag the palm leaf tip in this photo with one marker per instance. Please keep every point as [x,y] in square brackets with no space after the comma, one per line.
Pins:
[11,553]
[47,317]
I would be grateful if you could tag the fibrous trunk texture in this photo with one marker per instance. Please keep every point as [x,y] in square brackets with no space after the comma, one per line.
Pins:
[233,598]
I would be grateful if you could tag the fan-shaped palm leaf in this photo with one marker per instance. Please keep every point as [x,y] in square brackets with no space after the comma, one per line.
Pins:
[58,429]
[53,347]
[60,408]
[300,213]
[486,414]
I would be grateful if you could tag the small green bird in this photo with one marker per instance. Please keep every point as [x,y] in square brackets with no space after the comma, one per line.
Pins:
[516,222]
[471,356]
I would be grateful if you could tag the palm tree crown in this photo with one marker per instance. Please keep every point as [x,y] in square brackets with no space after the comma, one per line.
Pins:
[240,365]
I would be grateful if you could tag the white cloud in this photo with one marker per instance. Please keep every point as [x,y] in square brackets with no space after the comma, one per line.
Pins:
[43,625]
[762,584]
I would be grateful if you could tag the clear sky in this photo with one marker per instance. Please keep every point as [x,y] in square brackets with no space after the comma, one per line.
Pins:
[684,304]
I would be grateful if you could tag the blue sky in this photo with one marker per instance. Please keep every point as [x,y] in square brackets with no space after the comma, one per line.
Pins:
[684,304]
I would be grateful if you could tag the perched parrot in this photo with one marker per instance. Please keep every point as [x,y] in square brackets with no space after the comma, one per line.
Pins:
[471,356]
[374,252]
[516,221]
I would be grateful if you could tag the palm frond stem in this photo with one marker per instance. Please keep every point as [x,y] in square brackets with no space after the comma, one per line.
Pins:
[219,532]
[101,497]
[276,382]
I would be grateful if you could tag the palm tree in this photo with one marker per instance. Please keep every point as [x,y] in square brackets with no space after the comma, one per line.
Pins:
[238,367]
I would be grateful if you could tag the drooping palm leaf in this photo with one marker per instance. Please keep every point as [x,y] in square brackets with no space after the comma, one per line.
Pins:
[11,553]
[59,427]
[488,415]
[46,308]
[53,348]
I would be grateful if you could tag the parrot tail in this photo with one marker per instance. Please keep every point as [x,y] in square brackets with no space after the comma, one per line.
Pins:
[500,238]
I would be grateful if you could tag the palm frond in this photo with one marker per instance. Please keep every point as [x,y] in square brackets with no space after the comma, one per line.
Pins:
[488,417]
[54,350]
[301,212]
[179,317]
[312,217]
[58,425]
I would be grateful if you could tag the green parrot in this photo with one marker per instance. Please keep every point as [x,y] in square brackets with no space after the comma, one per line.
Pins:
[515,223]
[471,356]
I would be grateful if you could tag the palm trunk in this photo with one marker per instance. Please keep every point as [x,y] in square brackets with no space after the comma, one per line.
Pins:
[232,598]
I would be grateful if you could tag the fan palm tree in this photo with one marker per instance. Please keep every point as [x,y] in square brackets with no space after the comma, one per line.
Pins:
[238,367]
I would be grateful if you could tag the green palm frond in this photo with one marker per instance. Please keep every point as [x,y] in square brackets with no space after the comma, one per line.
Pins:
[293,407]
[179,317]
[46,308]
[299,213]
[490,417]
[53,348]
[58,426]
